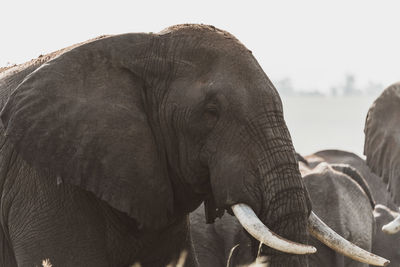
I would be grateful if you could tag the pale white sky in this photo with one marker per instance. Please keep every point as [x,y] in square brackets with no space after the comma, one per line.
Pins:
[314,42]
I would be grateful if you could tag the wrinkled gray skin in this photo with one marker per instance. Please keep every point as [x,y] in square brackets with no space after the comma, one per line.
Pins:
[382,139]
[337,198]
[107,146]
[383,244]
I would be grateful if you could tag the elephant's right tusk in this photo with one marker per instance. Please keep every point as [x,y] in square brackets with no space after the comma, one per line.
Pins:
[326,235]
[393,227]
[249,220]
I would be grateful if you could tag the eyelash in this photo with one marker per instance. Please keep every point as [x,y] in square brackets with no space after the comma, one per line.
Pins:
[213,110]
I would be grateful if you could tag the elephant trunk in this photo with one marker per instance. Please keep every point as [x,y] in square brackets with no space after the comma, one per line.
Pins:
[257,167]
[285,208]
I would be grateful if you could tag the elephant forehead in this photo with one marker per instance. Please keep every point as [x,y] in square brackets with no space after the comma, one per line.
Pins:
[222,88]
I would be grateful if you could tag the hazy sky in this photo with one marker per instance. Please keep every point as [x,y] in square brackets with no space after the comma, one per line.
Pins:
[314,42]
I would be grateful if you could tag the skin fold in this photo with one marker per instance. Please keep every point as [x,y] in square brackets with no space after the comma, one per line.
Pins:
[106,146]
[337,198]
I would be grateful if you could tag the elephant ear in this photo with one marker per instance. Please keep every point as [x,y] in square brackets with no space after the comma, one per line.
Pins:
[382,139]
[81,117]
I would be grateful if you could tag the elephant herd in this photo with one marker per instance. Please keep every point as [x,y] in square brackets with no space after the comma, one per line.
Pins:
[153,149]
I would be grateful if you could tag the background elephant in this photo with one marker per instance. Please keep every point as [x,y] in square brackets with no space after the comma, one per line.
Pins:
[337,198]
[108,145]
[382,143]
[385,211]
[341,198]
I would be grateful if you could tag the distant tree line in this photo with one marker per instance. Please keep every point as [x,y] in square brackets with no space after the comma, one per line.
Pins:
[346,88]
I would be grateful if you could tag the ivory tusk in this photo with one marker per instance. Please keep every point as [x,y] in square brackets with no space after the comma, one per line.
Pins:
[249,220]
[393,227]
[326,235]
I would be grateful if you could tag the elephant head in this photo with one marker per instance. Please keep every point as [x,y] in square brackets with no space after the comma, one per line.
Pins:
[382,144]
[153,124]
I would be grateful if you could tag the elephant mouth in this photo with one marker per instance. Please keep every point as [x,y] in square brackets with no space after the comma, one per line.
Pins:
[317,228]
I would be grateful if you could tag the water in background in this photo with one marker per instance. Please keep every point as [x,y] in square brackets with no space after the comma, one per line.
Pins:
[322,122]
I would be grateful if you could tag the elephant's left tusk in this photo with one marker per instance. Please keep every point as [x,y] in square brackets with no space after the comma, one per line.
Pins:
[326,235]
[393,227]
[253,225]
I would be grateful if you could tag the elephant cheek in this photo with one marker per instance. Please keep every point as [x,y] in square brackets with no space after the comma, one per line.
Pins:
[232,184]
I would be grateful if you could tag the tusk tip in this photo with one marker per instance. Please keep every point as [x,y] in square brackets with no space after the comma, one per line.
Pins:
[389,229]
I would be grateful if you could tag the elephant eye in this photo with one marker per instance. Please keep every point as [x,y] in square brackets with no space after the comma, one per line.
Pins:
[210,116]
[212,110]
[204,119]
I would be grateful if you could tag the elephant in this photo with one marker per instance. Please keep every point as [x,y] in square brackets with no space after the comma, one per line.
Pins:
[382,144]
[385,209]
[375,184]
[108,145]
[337,196]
